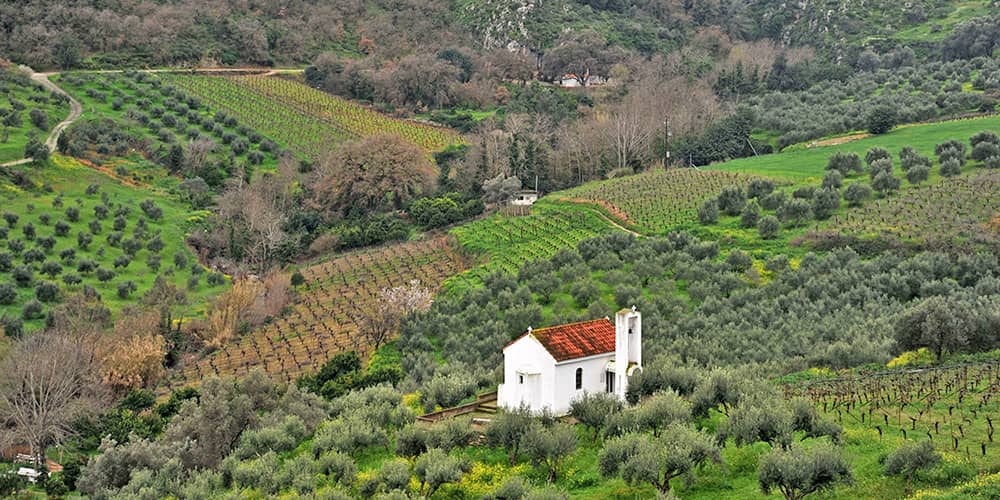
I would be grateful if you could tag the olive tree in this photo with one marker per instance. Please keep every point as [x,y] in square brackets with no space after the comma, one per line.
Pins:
[939,323]
[507,430]
[641,458]
[592,409]
[799,471]
[436,468]
[910,458]
[549,445]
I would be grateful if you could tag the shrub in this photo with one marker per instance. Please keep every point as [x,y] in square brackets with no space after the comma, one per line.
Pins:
[13,326]
[32,310]
[6,262]
[51,268]
[917,174]
[768,227]
[61,229]
[833,180]
[951,167]
[104,275]
[83,239]
[958,147]
[910,458]
[795,212]
[875,154]
[71,279]
[33,255]
[47,243]
[73,214]
[845,163]
[825,202]
[11,219]
[155,244]
[16,246]
[732,200]
[880,165]
[738,261]
[39,118]
[985,136]
[23,275]
[86,266]
[773,201]
[885,183]
[881,119]
[708,212]
[804,193]
[46,291]
[857,193]
[759,188]
[799,471]
[296,280]
[985,150]
[125,289]
[8,294]
[750,215]
[122,261]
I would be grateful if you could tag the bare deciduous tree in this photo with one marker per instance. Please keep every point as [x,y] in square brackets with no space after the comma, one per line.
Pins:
[379,320]
[49,380]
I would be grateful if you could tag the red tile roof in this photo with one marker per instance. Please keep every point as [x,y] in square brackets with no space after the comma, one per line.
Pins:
[576,340]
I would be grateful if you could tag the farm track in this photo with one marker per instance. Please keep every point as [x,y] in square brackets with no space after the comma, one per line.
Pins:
[75,111]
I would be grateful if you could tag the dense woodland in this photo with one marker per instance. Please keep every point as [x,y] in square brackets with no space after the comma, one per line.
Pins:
[191,221]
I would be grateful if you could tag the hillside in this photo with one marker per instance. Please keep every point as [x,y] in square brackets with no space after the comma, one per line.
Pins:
[500,249]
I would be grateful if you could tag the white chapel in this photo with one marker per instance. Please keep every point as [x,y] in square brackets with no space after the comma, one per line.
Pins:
[550,367]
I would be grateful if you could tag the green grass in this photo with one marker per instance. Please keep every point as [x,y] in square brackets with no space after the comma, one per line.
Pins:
[809,165]
[15,90]
[938,29]
[70,179]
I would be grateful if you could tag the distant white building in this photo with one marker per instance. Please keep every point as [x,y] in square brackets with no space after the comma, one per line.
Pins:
[571,81]
[550,367]
[524,198]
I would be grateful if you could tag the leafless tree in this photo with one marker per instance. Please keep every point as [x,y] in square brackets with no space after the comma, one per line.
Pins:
[49,380]
[256,212]
[380,319]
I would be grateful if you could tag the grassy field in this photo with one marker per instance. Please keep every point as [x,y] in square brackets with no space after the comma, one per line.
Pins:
[306,120]
[67,185]
[938,29]
[21,90]
[807,165]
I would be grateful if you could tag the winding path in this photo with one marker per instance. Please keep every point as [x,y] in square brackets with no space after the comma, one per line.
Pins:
[75,110]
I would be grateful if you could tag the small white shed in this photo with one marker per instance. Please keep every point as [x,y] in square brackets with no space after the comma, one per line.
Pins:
[524,198]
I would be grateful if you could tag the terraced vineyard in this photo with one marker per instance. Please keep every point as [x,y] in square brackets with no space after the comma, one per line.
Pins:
[302,118]
[321,322]
[656,201]
[955,213]
[507,242]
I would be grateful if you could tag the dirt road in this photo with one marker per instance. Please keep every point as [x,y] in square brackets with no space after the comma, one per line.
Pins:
[75,110]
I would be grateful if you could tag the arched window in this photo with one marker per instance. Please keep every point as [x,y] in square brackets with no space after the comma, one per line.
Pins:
[579,378]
